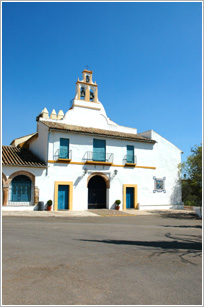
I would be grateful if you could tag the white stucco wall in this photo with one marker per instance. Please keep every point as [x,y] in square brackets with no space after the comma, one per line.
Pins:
[166,157]
[90,114]
[79,144]
[39,145]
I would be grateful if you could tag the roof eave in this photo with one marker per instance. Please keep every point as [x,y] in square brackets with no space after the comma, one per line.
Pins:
[104,135]
[22,165]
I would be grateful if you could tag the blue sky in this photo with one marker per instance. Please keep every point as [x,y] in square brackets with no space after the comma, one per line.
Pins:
[146,59]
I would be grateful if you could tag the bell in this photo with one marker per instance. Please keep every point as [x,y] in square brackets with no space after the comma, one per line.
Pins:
[82,92]
[91,95]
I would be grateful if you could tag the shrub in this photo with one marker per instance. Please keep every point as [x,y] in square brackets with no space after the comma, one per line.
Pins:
[192,203]
[118,202]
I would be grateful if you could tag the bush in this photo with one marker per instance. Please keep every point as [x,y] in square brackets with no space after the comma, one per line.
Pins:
[117,202]
[192,203]
[192,186]
[189,194]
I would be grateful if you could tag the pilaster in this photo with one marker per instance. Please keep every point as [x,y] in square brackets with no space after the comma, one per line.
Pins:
[5,195]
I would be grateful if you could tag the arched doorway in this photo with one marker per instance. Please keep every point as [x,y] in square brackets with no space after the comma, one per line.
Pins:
[96,193]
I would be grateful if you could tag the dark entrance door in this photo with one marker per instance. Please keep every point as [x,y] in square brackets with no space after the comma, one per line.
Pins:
[96,193]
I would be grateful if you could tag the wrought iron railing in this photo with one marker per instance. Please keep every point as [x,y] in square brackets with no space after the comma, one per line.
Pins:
[63,154]
[130,159]
[98,156]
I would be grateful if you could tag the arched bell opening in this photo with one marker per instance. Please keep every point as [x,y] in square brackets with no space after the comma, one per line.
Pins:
[92,95]
[96,193]
[82,93]
[87,78]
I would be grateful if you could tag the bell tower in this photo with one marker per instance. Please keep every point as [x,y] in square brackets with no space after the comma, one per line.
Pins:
[85,89]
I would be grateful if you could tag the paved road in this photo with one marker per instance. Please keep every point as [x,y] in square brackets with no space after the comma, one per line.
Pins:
[120,260]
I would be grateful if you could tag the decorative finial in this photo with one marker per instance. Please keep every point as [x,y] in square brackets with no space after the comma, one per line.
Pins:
[87,67]
[60,114]
[53,114]
[45,113]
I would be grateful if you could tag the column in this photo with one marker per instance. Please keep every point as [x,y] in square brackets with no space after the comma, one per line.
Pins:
[5,195]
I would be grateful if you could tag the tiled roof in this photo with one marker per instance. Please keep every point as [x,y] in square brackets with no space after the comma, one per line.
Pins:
[25,137]
[14,156]
[95,131]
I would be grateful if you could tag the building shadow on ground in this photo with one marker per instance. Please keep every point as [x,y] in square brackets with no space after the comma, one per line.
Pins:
[182,245]
[158,244]
[183,226]
[176,215]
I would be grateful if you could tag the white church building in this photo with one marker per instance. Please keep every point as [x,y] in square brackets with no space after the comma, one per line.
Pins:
[82,160]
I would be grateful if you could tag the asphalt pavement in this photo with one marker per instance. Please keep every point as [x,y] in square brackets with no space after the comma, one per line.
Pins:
[150,259]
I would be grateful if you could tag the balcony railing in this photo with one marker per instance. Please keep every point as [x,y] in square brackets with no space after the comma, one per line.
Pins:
[98,157]
[129,159]
[63,154]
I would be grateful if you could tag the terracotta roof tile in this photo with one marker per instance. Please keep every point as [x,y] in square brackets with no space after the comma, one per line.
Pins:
[20,157]
[95,131]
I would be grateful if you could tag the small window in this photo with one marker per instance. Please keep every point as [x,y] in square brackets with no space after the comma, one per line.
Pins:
[130,154]
[64,149]
[159,184]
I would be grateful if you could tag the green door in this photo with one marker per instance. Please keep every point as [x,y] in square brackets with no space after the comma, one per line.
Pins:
[130,154]
[99,150]
[129,198]
[63,197]
[64,149]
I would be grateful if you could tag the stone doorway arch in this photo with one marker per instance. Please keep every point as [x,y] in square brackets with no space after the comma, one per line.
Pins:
[104,176]
[32,178]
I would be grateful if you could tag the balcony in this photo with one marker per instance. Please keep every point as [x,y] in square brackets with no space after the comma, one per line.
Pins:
[130,160]
[63,155]
[99,158]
